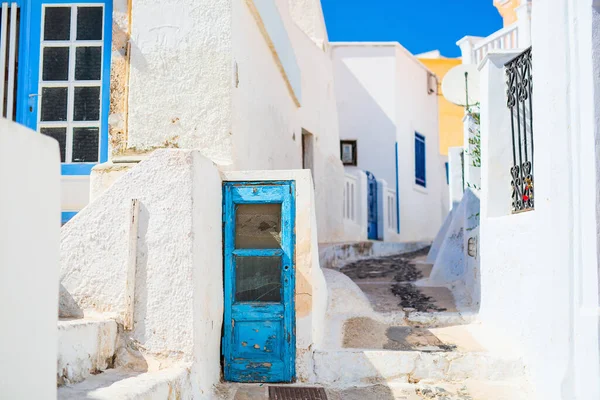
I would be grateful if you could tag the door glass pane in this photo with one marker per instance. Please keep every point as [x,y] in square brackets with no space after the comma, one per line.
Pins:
[89,23]
[60,134]
[86,105]
[54,104]
[88,62]
[258,226]
[258,279]
[57,23]
[85,144]
[56,64]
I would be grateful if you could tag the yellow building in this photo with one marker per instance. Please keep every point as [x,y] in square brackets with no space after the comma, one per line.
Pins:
[506,8]
[450,115]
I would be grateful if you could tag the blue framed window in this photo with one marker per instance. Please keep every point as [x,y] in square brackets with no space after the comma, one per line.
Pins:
[420,161]
[64,78]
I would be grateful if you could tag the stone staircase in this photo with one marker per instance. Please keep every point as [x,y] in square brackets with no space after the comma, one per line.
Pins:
[96,361]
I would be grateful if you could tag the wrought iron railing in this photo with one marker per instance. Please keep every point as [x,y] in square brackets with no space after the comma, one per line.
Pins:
[519,92]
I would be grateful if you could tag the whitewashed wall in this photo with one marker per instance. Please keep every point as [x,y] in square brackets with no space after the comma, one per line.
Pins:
[364,80]
[382,99]
[29,262]
[179,258]
[208,76]
[540,268]
[417,111]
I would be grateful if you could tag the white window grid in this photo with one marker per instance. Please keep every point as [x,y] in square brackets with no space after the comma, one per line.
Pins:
[70,84]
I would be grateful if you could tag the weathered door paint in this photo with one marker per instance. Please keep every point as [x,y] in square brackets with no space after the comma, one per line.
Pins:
[259,324]
[372,233]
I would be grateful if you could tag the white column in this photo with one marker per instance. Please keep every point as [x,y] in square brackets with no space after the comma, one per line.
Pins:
[29,262]
[524,23]
[466,45]
[496,142]
[472,166]
[455,176]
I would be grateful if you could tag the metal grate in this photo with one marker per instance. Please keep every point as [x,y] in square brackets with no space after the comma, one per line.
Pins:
[296,393]
[519,94]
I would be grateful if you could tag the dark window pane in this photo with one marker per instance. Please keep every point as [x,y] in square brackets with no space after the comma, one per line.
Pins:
[57,23]
[56,64]
[54,104]
[85,144]
[88,62]
[86,104]
[258,226]
[60,134]
[258,279]
[89,23]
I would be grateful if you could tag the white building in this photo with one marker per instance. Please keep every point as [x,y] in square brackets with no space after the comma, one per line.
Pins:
[538,258]
[388,119]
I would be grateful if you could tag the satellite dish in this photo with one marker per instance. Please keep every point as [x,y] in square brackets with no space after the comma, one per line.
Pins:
[461,85]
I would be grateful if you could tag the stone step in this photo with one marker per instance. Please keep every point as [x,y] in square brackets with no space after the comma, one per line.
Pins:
[171,383]
[85,347]
[347,367]
[467,390]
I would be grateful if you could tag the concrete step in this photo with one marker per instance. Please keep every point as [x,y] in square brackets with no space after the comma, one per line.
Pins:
[118,384]
[347,367]
[85,347]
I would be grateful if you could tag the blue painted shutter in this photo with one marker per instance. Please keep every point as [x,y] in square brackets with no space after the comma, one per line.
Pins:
[420,161]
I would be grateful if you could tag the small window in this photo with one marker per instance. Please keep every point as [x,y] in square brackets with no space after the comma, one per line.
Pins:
[420,171]
[348,151]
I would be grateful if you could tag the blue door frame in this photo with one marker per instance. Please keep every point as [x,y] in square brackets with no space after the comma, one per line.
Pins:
[372,233]
[259,342]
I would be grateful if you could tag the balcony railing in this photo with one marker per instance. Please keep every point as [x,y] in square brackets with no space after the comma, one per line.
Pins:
[519,93]
[505,38]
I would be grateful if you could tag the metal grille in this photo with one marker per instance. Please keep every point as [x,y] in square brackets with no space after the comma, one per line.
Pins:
[296,393]
[519,94]
[9,33]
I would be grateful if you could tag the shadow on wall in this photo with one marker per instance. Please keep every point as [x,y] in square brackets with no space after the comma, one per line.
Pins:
[363,119]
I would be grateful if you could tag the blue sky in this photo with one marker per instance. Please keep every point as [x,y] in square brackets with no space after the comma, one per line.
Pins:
[419,25]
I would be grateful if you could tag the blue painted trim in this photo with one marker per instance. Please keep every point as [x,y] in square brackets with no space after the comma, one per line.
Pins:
[241,363]
[397,193]
[447,174]
[28,75]
[66,216]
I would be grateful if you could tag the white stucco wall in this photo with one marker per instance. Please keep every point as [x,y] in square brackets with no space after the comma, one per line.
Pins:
[29,262]
[180,75]
[382,97]
[178,280]
[267,125]
[540,268]
[417,111]
[228,79]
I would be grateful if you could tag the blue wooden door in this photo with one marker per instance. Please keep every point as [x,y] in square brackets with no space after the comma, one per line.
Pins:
[258,337]
[372,206]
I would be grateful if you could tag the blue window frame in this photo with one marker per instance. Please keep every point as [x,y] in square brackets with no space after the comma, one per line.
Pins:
[420,161]
[64,77]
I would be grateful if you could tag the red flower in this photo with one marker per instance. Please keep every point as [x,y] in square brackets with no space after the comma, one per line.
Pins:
[525,197]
